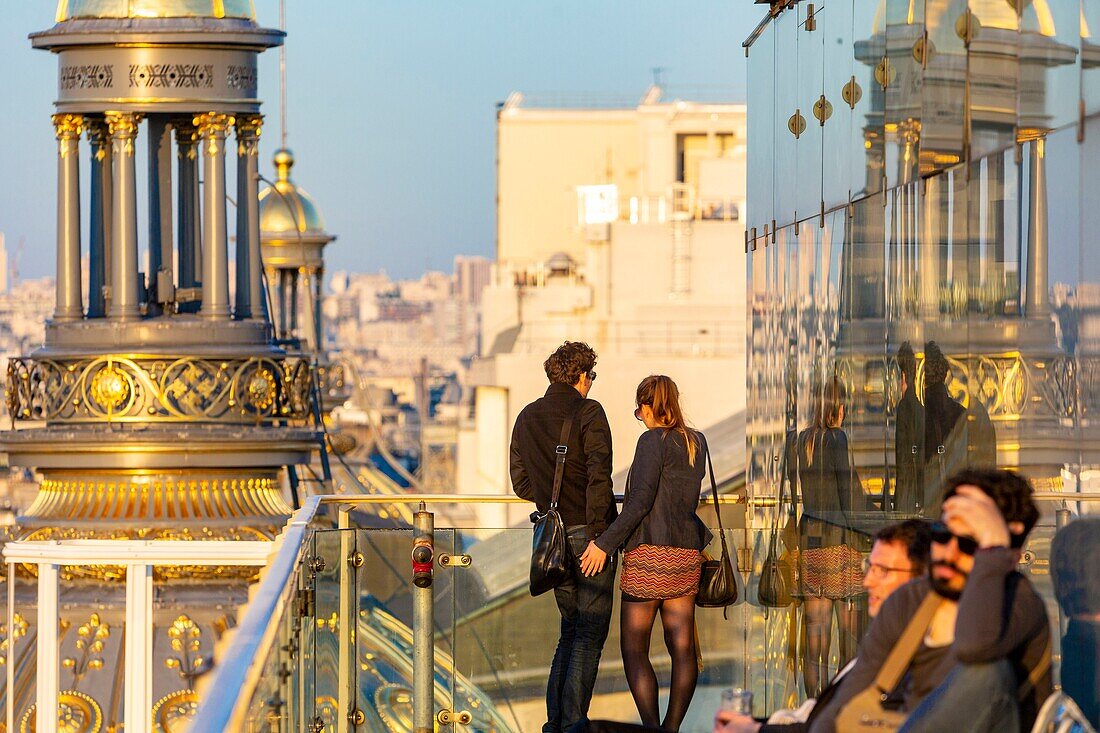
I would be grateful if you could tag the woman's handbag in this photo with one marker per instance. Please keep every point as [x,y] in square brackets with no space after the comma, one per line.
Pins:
[777,584]
[717,583]
[865,711]
[552,559]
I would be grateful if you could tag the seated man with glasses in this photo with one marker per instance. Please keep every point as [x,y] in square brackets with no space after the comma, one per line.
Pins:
[899,555]
[982,661]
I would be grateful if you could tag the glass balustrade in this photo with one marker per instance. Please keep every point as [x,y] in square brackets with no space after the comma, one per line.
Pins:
[342,640]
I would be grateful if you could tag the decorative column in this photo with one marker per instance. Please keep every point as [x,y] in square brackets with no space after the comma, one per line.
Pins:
[308,331]
[318,332]
[276,281]
[160,214]
[124,303]
[1037,301]
[189,229]
[293,324]
[249,301]
[929,250]
[69,303]
[99,218]
[212,129]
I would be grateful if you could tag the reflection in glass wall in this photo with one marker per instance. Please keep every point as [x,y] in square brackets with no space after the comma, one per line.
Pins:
[939,306]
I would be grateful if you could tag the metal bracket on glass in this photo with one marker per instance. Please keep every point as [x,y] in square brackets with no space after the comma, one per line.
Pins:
[447,717]
[456,561]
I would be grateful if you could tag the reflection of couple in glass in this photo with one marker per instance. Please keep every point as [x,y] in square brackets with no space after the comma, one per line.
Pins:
[934,439]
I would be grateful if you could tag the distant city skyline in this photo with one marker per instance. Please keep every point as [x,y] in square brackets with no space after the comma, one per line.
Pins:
[391,108]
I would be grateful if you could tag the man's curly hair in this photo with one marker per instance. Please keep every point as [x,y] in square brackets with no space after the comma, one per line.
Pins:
[569,362]
[1010,491]
[935,364]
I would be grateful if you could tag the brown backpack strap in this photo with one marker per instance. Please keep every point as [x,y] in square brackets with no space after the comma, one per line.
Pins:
[906,646]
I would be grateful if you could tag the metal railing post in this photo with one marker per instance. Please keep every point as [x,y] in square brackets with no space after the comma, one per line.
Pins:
[346,622]
[423,560]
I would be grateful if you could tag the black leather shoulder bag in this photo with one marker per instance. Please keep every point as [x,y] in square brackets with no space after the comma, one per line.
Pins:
[552,559]
[717,585]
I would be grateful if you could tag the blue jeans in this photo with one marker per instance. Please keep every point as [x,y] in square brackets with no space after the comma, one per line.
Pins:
[975,698]
[585,607]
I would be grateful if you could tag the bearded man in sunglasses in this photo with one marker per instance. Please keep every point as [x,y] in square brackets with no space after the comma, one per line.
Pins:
[983,662]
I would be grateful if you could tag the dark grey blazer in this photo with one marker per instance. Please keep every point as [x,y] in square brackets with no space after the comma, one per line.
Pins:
[662,495]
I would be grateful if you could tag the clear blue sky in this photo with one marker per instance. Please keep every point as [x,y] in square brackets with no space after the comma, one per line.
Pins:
[392,106]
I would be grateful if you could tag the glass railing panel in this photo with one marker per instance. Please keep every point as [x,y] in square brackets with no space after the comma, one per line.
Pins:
[275,703]
[324,565]
[384,623]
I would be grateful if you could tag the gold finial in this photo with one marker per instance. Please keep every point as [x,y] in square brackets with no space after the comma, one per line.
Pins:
[284,161]
[68,127]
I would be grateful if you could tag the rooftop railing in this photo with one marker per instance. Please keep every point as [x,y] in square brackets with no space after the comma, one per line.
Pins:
[332,635]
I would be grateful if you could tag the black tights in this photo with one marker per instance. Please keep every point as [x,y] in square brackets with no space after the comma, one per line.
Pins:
[817,623]
[678,622]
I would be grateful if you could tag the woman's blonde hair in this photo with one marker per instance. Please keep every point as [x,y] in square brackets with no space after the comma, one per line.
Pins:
[828,403]
[662,396]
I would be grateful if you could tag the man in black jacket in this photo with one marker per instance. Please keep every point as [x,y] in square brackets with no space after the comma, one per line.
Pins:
[587,507]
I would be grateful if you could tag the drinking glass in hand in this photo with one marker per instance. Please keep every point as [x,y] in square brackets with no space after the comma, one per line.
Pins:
[737,700]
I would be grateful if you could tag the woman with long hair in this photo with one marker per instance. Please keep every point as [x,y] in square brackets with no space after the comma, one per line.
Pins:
[663,541]
[830,565]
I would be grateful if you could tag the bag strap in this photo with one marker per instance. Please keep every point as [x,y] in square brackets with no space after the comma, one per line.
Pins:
[1034,676]
[717,508]
[561,450]
[906,646]
[784,479]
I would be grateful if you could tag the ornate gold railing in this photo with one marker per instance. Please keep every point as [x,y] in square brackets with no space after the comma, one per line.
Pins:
[159,389]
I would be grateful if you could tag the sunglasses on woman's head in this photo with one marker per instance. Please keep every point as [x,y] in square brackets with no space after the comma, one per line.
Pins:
[941,535]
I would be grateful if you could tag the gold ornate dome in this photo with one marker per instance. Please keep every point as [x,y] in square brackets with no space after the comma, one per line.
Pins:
[1036,15]
[72,9]
[285,207]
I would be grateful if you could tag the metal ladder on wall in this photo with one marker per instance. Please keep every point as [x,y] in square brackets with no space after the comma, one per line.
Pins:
[321,484]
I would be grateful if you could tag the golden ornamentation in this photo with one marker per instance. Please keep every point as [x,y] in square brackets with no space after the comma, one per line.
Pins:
[160,500]
[923,50]
[173,712]
[76,713]
[885,73]
[852,92]
[117,573]
[823,109]
[967,26]
[90,639]
[797,124]
[249,127]
[111,388]
[68,127]
[186,389]
[7,641]
[99,136]
[122,125]
[261,389]
[211,124]
[185,638]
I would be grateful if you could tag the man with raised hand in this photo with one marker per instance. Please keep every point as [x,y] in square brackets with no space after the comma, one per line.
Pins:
[983,660]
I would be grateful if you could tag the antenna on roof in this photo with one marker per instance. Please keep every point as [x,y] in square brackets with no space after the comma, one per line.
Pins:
[282,75]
